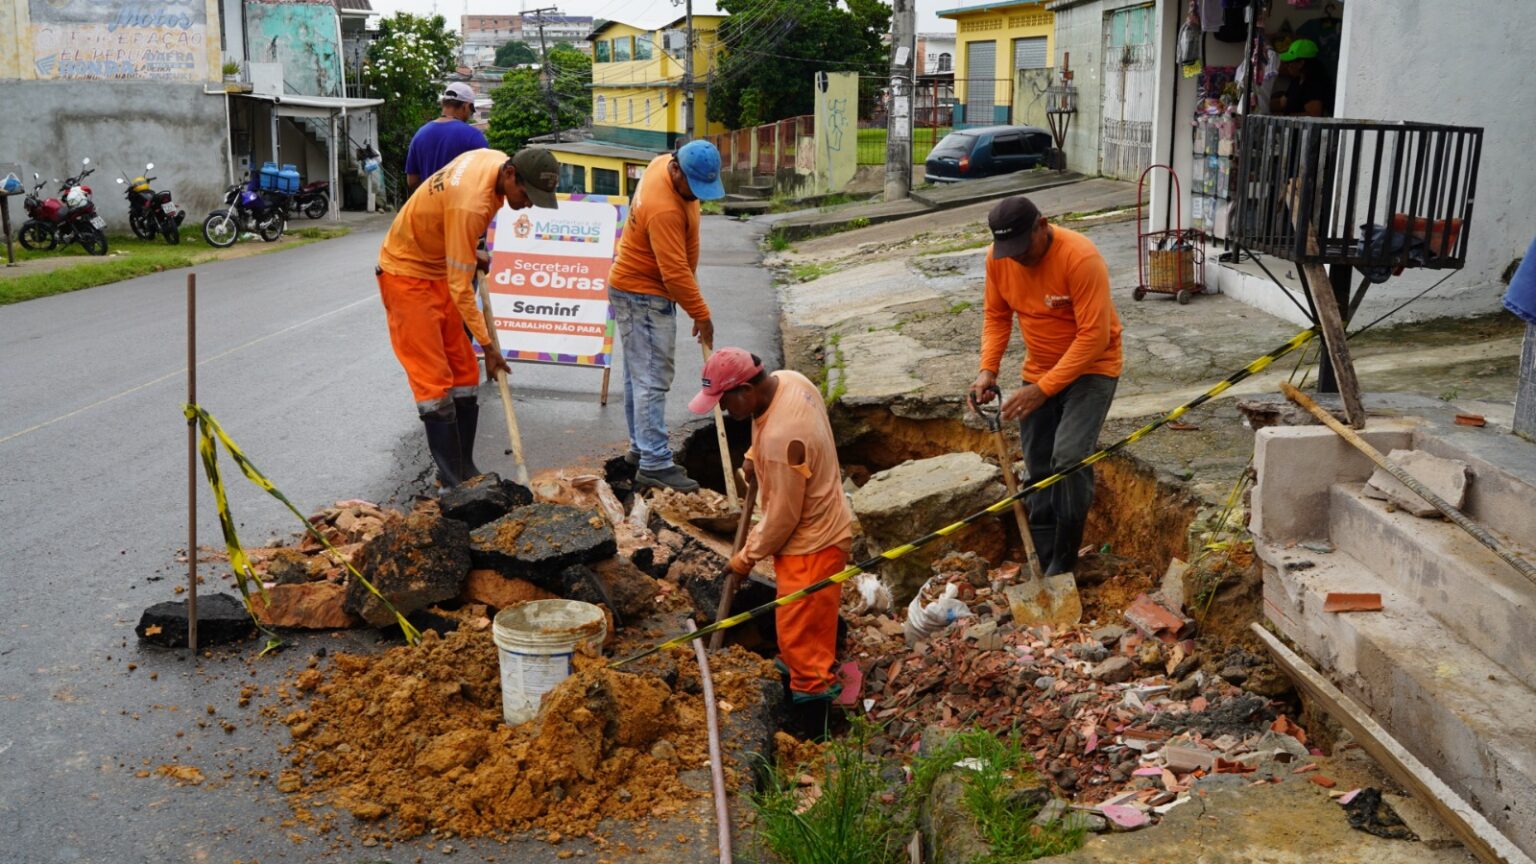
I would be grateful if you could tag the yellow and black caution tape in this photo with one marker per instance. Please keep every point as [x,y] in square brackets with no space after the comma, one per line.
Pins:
[1258,365]
[210,433]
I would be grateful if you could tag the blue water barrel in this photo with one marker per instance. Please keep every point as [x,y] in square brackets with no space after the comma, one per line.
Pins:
[269,175]
[289,179]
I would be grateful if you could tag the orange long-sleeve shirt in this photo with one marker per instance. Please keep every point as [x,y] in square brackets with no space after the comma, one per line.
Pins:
[1065,314]
[659,252]
[434,236]
[803,505]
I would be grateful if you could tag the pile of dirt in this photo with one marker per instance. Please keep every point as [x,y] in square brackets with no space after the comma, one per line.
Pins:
[414,739]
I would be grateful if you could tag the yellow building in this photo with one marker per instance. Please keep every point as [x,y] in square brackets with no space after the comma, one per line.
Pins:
[993,41]
[637,102]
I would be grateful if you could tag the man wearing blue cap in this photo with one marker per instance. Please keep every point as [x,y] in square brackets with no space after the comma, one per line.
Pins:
[652,276]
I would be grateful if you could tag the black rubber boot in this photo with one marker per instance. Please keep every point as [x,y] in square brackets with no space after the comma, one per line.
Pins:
[468,410]
[443,441]
[808,720]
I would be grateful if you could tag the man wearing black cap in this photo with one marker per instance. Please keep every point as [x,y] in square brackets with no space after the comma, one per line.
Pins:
[1056,283]
[426,273]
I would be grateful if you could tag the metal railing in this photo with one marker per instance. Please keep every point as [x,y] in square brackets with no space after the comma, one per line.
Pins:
[1365,194]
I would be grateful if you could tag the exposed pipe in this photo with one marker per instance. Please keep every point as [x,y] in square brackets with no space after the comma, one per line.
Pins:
[716,768]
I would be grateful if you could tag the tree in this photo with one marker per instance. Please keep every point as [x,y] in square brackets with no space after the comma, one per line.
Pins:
[405,68]
[770,51]
[516,53]
[520,110]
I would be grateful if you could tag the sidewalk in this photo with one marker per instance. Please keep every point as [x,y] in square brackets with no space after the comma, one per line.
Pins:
[939,197]
[892,315]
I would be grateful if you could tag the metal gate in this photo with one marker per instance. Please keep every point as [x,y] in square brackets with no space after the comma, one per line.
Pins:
[1125,148]
[980,86]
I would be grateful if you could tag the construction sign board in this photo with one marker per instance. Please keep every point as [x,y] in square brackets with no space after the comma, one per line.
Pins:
[548,280]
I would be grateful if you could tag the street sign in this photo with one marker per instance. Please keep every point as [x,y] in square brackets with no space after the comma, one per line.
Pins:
[549,280]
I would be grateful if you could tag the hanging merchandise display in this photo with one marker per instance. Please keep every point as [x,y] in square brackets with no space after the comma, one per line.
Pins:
[1189,37]
[1234,21]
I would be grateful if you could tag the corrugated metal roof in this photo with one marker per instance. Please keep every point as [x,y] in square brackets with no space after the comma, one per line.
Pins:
[354,6]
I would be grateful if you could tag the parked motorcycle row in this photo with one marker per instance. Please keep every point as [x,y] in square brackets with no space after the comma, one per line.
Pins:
[260,205]
[55,223]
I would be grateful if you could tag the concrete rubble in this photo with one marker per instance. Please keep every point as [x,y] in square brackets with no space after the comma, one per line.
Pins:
[1447,478]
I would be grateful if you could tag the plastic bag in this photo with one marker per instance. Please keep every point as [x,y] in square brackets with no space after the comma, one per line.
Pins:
[12,185]
[924,621]
[1189,42]
[874,596]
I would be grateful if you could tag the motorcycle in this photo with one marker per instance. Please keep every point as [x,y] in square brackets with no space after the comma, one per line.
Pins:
[313,199]
[151,212]
[53,223]
[247,209]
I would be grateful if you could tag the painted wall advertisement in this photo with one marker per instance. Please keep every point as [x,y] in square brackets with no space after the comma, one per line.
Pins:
[549,280]
[112,39]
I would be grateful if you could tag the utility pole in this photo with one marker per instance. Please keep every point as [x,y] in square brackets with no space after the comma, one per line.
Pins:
[688,129]
[549,79]
[898,130]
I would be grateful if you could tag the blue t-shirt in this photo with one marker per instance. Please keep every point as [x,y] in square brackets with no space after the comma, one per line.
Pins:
[436,144]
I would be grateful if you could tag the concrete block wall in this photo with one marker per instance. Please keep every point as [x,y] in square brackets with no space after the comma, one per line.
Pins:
[50,125]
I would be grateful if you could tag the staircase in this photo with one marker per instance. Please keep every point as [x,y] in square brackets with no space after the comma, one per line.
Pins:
[749,199]
[1449,665]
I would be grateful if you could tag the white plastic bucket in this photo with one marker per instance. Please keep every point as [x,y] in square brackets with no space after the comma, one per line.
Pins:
[535,642]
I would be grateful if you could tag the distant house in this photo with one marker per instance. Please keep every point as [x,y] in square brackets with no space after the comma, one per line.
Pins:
[993,43]
[638,99]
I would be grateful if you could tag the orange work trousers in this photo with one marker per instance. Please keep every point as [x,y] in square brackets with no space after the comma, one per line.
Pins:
[428,336]
[807,629]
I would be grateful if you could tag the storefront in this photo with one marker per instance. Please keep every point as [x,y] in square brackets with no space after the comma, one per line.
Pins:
[1441,63]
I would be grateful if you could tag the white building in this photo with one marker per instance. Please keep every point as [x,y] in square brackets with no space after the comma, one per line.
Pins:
[935,53]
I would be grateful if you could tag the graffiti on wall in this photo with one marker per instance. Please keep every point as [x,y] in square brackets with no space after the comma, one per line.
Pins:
[107,39]
[303,38]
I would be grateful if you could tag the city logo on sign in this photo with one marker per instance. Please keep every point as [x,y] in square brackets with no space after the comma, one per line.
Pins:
[522,227]
[568,232]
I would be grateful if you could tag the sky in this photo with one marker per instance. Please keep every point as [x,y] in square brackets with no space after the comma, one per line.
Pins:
[927,21]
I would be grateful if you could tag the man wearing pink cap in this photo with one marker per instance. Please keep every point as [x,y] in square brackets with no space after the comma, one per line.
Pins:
[806,523]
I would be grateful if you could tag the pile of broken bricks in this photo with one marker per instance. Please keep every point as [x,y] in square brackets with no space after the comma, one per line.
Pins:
[488,543]
[1121,720]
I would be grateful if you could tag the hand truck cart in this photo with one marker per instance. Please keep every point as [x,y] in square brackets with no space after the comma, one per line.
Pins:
[1171,261]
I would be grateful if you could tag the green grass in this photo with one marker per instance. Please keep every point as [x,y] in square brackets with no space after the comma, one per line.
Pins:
[810,270]
[1003,818]
[849,823]
[957,308]
[128,257]
[778,241]
[711,208]
[872,144]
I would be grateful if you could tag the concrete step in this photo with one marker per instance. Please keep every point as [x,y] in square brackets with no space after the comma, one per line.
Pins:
[738,206]
[1502,494]
[1463,715]
[756,190]
[1437,565]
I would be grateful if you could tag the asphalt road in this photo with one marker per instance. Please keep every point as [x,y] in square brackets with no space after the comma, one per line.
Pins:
[294,360]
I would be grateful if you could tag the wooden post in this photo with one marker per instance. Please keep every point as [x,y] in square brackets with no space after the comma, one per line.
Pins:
[607,371]
[1525,394]
[727,478]
[1332,323]
[192,465]
[5,226]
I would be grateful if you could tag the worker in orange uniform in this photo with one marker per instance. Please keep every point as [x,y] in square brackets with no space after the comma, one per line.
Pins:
[653,274]
[1056,283]
[806,523]
[426,273]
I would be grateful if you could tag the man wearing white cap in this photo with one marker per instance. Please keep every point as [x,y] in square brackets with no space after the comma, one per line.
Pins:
[443,140]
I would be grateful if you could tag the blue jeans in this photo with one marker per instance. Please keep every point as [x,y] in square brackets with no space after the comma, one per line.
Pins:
[647,327]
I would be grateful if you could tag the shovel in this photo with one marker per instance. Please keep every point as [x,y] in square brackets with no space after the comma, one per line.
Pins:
[993,418]
[728,591]
[514,435]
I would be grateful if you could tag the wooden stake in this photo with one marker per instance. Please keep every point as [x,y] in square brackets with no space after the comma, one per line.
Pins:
[1019,514]
[1480,837]
[728,590]
[1332,322]
[514,434]
[192,465]
[725,447]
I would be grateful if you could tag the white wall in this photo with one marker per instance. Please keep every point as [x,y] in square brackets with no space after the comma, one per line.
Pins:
[1080,33]
[1466,63]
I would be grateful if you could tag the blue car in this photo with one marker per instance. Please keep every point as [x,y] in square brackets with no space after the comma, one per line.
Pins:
[987,151]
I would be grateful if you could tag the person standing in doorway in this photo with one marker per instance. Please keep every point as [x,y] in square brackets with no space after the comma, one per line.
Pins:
[443,140]
[806,525]
[1055,282]
[426,273]
[654,273]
